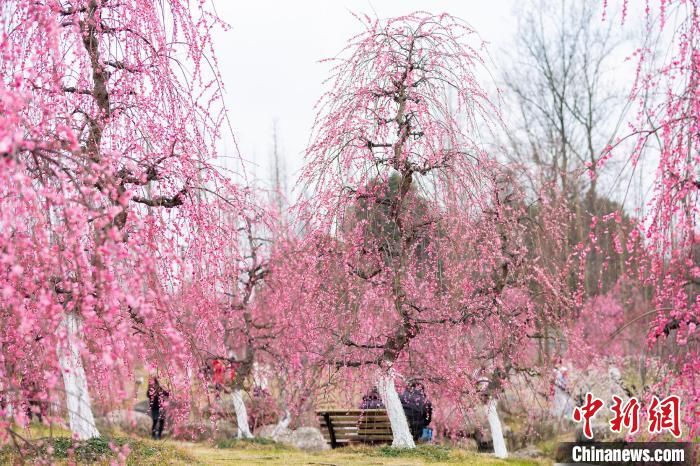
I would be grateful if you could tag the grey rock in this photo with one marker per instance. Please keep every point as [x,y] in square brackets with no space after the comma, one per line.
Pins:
[129,421]
[309,438]
[142,407]
[529,452]
[268,432]
[305,438]
[224,429]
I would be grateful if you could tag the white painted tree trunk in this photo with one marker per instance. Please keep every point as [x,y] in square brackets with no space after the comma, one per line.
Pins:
[241,414]
[499,443]
[394,409]
[282,424]
[80,417]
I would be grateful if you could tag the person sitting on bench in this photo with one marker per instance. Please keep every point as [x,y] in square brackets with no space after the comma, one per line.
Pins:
[372,400]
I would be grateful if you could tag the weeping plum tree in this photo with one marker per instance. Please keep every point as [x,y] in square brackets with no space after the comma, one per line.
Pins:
[232,301]
[227,281]
[245,330]
[668,124]
[107,122]
[415,239]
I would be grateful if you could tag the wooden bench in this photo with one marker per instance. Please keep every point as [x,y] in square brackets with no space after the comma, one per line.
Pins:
[342,427]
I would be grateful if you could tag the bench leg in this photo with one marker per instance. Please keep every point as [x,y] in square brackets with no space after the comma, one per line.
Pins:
[331,431]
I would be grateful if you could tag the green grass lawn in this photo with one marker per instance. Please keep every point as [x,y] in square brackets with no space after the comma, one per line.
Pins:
[242,453]
[62,450]
[55,444]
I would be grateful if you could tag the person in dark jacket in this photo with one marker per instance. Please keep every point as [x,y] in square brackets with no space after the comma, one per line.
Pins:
[372,400]
[157,396]
[418,409]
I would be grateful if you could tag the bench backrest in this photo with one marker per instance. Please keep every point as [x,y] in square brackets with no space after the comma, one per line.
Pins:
[341,427]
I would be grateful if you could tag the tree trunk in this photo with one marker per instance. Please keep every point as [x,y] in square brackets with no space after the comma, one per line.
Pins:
[80,417]
[241,414]
[394,409]
[499,443]
[283,423]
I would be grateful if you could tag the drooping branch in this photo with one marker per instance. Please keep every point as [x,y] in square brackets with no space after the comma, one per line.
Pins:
[163,201]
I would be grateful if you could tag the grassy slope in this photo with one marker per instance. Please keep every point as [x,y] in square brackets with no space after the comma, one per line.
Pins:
[41,442]
[256,452]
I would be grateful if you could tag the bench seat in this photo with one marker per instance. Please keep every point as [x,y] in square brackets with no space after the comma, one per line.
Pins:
[342,427]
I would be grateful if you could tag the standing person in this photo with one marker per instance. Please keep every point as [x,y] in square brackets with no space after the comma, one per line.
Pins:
[563,404]
[157,397]
[418,409]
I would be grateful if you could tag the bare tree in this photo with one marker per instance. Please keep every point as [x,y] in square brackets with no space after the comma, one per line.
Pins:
[278,170]
[566,110]
[559,80]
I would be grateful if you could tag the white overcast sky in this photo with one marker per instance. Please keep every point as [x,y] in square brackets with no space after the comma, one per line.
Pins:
[269,60]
